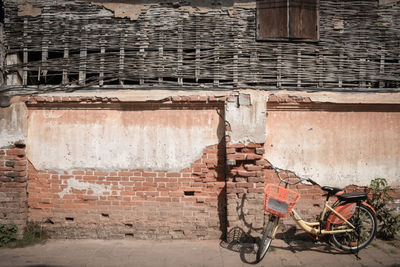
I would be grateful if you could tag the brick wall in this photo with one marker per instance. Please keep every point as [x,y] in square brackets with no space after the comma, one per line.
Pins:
[13,183]
[202,201]
[245,187]
[133,203]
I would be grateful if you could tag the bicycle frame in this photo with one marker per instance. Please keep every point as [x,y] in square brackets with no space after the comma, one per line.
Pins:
[314,228]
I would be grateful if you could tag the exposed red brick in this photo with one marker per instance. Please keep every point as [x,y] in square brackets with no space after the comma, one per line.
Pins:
[139,196]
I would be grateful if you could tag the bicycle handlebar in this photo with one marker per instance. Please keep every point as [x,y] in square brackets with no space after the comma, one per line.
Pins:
[300,179]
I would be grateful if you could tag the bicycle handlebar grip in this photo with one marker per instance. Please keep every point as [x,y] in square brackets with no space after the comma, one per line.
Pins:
[312,182]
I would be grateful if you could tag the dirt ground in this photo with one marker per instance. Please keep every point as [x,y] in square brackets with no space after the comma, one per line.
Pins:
[298,252]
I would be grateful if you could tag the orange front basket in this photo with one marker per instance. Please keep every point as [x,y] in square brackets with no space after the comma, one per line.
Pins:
[278,200]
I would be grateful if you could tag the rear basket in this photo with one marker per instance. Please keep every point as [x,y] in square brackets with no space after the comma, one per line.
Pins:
[279,201]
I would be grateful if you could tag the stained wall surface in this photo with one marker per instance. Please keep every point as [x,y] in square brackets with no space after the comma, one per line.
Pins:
[335,148]
[114,139]
[147,173]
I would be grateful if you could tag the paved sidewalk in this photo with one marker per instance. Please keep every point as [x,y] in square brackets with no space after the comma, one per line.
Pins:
[193,253]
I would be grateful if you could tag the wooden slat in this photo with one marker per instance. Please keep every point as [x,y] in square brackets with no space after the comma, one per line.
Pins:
[102,53]
[320,66]
[83,54]
[299,68]
[142,47]
[161,57]
[216,54]
[382,68]
[25,54]
[362,83]
[303,19]
[121,58]
[45,43]
[340,79]
[279,67]
[198,40]
[272,19]
[64,37]
[180,54]
[235,64]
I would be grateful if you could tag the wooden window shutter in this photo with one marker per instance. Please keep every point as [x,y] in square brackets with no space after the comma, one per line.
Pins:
[272,20]
[304,19]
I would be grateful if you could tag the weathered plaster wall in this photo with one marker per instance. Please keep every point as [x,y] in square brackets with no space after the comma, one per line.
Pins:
[104,168]
[246,117]
[12,124]
[13,166]
[114,139]
[335,148]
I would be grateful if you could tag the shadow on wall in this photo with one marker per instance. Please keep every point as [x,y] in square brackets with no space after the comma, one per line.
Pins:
[221,172]
[238,240]
[222,201]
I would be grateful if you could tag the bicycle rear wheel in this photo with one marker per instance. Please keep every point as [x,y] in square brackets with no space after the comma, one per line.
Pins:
[267,237]
[364,221]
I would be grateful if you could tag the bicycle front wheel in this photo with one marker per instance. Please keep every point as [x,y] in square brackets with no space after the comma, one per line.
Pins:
[364,221]
[267,237]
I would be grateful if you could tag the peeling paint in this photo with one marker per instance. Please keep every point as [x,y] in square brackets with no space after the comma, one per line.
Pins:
[335,148]
[27,9]
[96,189]
[113,139]
[139,95]
[247,122]
[12,124]
[347,97]
[123,10]
[248,5]
[126,9]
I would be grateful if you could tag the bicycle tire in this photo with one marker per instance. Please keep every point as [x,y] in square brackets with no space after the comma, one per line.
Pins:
[364,220]
[267,238]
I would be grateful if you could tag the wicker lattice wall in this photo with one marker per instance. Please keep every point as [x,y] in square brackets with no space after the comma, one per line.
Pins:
[79,44]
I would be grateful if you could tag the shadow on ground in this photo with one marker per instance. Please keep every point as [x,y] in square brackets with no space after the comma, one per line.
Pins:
[239,241]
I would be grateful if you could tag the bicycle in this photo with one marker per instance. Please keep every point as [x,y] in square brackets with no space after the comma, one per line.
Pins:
[350,221]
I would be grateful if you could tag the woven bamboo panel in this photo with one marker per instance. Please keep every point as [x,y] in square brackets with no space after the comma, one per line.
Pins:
[78,44]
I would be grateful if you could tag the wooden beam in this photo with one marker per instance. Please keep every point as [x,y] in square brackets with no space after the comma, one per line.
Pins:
[216,56]
[320,66]
[382,68]
[121,58]
[299,67]
[25,54]
[180,53]
[45,42]
[102,43]
[279,67]
[64,37]
[161,56]
[198,50]
[83,55]
[340,78]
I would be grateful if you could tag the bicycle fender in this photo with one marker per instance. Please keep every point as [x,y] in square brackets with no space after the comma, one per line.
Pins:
[369,206]
[346,210]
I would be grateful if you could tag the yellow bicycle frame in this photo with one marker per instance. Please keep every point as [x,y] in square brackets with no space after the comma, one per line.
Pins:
[314,228]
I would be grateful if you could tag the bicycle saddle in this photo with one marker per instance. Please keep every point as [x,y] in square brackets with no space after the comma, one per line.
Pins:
[331,190]
[355,196]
